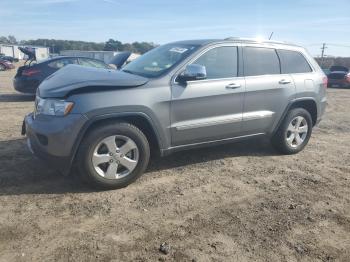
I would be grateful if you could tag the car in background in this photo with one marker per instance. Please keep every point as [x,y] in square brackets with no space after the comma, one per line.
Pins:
[29,76]
[339,76]
[5,65]
[8,58]
[326,71]
[120,59]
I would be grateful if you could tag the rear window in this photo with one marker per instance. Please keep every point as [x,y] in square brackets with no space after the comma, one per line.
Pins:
[57,64]
[339,68]
[293,62]
[335,75]
[92,63]
[260,61]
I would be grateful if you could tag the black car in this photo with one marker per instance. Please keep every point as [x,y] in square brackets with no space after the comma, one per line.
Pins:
[8,58]
[339,76]
[29,76]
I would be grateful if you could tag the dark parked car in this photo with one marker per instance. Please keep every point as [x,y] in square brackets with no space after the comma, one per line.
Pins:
[339,76]
[5,65]
[120,59]
[29,76]
[8,58]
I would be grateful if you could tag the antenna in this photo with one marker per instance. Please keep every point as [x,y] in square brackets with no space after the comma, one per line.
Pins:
[271,35]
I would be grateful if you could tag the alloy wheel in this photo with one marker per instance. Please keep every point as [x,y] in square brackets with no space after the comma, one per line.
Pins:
[115,157]
[296,132]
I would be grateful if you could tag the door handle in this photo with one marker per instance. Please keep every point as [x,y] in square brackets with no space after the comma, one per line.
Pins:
[233,86]
[284,82]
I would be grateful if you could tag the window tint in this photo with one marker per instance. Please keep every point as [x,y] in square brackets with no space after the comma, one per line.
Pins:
[293,62]
[62,62]
[260,61]
[92,63]
[220,62]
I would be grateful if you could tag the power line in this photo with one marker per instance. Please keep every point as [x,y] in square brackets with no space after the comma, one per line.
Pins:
[340,45]
[330,44]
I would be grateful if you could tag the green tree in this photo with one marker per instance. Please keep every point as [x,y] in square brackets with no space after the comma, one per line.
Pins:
[12,39]
[113,45]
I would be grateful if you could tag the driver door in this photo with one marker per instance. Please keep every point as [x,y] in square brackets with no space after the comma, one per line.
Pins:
[210,109]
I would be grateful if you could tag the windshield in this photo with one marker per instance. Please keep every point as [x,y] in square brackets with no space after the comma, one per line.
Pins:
[160,60]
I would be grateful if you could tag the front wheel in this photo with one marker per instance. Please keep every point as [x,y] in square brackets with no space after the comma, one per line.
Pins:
[113,156]
[2,68]
[294,132]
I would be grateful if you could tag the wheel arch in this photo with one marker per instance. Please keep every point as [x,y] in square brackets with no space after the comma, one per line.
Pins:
[140,120]
[309,104]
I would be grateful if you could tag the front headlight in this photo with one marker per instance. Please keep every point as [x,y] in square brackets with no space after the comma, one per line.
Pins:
[52,107]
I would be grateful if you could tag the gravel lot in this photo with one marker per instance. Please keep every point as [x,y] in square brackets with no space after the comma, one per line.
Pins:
[238,202]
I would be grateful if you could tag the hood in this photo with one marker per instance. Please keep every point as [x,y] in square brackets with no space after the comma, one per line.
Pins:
[119,59]
[76,78]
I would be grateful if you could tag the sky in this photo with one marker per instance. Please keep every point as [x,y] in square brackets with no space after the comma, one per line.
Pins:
[306,22]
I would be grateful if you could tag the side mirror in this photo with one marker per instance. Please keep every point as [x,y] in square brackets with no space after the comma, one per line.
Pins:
[193,72]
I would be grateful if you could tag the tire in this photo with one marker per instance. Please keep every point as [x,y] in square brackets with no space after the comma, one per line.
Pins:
[284,141]
[98,146]
[2,68]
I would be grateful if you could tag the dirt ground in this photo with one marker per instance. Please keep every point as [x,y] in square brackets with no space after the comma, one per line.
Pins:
[238,202]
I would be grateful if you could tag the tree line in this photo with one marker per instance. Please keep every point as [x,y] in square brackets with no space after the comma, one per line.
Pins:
[327,62]
[137,47]
[56,46]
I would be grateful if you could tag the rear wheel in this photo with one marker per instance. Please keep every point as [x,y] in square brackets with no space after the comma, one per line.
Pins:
[113,156]
[2,68]
[294,133]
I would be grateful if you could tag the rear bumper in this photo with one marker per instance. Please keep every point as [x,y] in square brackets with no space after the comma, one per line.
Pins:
[25,86]
[338,83]
[52,138]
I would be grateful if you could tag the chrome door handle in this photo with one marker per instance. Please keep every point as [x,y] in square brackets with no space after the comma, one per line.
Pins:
[284,82]
[233,86]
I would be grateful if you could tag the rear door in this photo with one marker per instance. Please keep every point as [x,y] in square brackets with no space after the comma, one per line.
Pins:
[210,109]
[268,92]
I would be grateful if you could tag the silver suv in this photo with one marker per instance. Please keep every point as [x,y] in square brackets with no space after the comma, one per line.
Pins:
[178,96]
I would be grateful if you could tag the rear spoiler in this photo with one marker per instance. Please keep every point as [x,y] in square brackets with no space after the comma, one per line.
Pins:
[30,52]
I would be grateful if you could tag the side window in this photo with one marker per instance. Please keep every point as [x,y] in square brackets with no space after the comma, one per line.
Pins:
[92,63]
[220,62]
[62,62]
[293,62]
[260,61]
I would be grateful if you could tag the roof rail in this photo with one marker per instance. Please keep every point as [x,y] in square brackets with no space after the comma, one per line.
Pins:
[256,40]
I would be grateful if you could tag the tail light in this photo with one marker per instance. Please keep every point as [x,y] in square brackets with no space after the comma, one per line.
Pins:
[325,81]
[347,77]
[30,72]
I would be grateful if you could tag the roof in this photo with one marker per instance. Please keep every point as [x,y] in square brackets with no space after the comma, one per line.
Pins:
[255,40]
[197,42]
[232,39]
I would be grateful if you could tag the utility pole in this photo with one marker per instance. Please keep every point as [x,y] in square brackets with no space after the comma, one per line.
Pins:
[322,53]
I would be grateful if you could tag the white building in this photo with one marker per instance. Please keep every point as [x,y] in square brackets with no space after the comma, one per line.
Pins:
[105,56]
[12,50]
